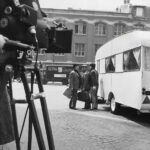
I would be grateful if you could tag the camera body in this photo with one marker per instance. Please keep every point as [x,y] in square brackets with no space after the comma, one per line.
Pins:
[16,19]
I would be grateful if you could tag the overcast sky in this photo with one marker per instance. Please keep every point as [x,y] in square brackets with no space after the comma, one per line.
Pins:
[108,5]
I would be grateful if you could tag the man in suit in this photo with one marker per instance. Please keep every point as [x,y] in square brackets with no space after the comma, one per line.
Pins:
[74,84]
[86,86]
[94,86]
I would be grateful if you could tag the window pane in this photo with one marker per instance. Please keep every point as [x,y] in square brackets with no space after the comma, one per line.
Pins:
[125,60]
[139,12]
[100,29]
[137,55]
[80,28]
[147,58]
[131,60]
[79,49]
[84,29]
[110,64]
[119,29]
[76,28]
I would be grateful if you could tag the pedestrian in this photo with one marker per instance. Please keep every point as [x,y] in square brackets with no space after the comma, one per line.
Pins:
[94,86]
[86,86]
[74,85]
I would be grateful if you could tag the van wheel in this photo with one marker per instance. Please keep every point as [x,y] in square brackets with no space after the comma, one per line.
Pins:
[114,106]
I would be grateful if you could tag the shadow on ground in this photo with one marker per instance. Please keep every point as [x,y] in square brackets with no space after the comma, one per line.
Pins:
[131,114]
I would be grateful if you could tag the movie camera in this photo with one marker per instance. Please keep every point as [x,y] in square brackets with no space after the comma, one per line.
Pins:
[18,22]
[22,21]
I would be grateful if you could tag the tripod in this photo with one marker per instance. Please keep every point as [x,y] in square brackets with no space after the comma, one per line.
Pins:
[33,118]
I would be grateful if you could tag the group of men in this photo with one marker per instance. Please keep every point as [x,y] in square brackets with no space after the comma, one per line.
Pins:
[87,81]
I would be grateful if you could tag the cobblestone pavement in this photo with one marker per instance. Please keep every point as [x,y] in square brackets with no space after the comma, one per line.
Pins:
[88,130]
[80,132]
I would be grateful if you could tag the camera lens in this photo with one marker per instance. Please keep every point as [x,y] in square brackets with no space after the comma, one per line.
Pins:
[8,10]
[3,23]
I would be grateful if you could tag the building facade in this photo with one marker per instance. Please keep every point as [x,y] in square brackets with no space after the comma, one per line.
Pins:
[92,29]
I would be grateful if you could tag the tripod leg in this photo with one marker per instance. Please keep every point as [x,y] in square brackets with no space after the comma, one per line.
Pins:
[32,109]
[30,132]
[45,112]
[30,118]
[14,116]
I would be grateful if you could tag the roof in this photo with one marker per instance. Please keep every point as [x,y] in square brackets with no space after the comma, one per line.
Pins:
[124,42]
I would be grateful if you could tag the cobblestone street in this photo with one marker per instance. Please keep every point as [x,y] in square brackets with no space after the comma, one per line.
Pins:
[87,130]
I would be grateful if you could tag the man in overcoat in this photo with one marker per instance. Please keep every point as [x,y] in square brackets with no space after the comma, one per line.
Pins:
[94,86]
[74,84]
[86,86]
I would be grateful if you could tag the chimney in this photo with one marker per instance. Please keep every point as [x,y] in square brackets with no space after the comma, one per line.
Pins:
[126,7]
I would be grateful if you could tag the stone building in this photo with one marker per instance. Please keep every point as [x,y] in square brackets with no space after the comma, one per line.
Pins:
[91,29]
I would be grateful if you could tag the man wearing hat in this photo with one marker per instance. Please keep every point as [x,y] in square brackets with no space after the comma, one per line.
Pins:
[94,86]
[86,85]
[74,84]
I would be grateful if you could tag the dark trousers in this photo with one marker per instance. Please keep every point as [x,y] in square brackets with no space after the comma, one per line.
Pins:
[87,102]
[73,100]
[93,93]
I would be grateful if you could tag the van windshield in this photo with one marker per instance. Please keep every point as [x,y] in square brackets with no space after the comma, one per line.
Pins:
[147,58]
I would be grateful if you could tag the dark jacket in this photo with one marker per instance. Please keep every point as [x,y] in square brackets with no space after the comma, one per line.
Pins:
[74,80]
[94,77]
[86,81]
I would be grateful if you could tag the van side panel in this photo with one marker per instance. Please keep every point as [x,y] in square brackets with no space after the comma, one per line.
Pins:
[127,88]
[105,85]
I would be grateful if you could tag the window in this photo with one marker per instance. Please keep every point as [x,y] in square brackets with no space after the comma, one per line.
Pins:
[100,29]
[139,26]
[97,46]
[139,12]
[119,29]
[98,66]
[80,28]
[79,49]
[59,54]
[132,60]
[110,64]
[147,58]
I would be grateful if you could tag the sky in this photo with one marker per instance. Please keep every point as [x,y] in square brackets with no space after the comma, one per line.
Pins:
[106,5]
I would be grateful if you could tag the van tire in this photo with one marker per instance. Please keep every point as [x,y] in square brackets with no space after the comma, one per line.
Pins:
[114,106]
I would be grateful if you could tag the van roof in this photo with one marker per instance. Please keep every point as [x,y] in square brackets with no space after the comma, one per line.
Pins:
[124,42]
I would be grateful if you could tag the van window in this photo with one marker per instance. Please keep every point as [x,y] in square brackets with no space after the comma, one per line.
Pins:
[98,66]
[147,58]
[110,64]
[131,60]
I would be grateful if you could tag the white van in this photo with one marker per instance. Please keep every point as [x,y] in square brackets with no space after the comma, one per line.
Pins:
[124,71]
